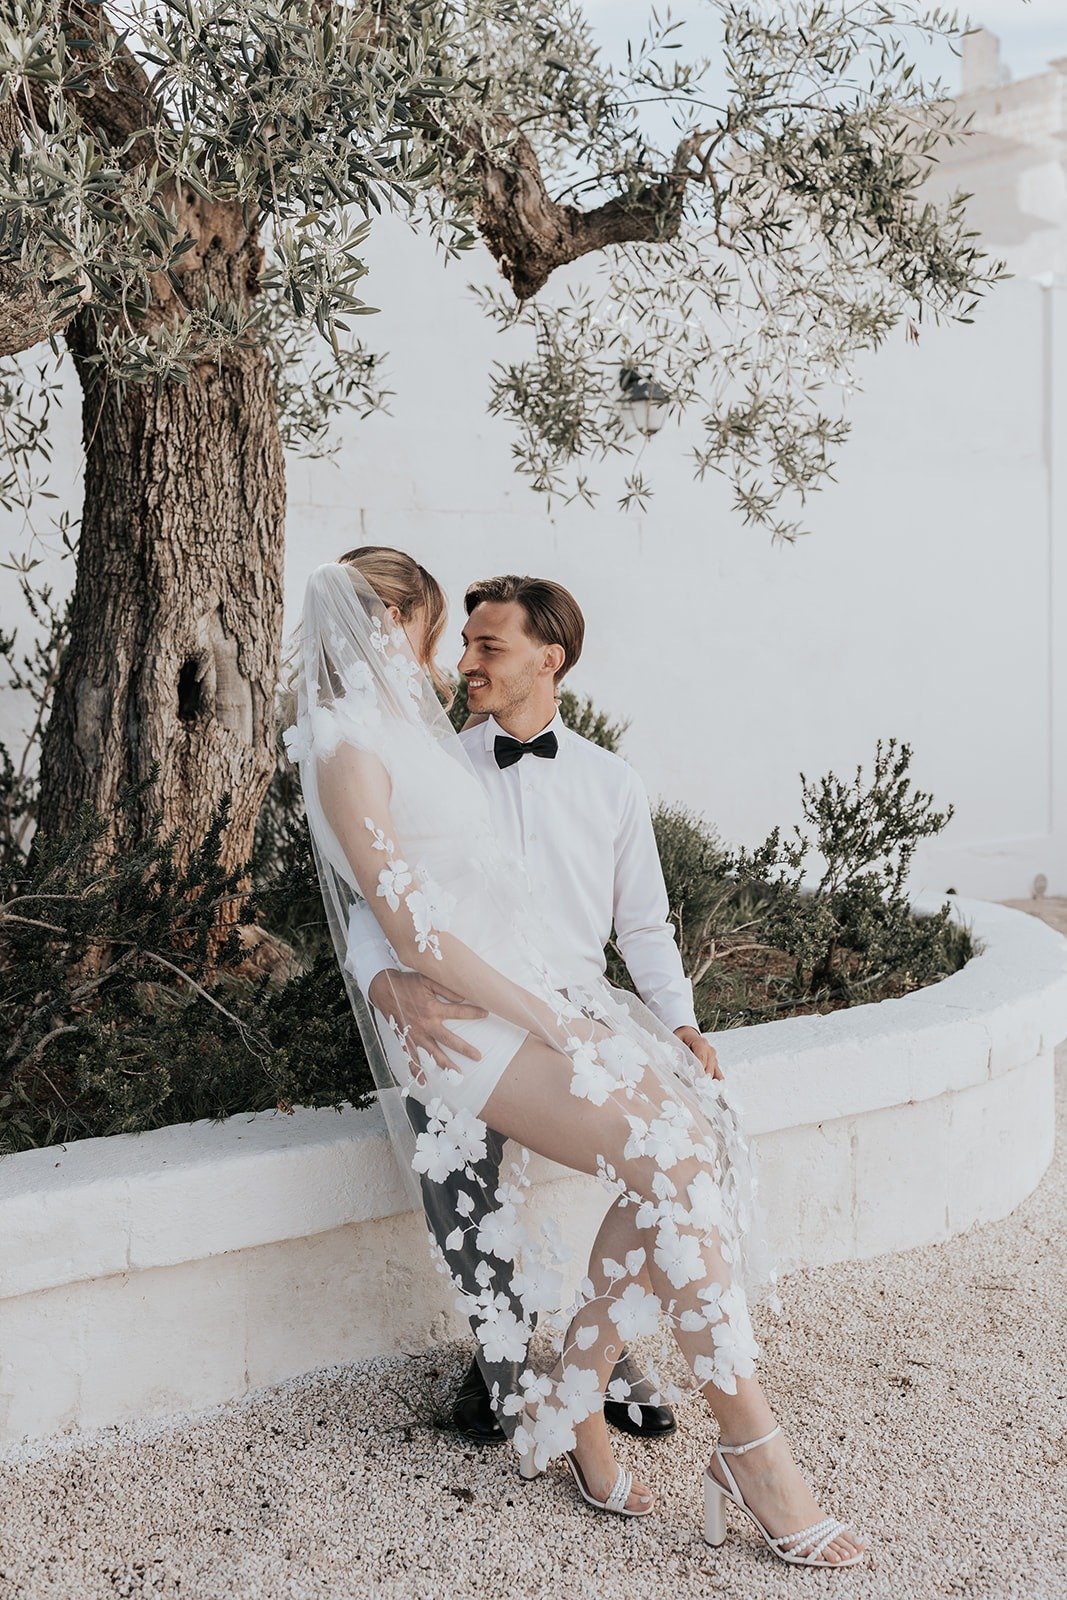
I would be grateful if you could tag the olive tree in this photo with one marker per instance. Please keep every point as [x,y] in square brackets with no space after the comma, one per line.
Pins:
[185,191]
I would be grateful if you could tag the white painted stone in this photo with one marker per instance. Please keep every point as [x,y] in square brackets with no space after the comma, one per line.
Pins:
[806,1193]
[361,1290]
[951,1047]
[55,1231]
[1001,1140]
[68,1211]
[901,1172]
[176,1268]
[41,1366]
[149,1339]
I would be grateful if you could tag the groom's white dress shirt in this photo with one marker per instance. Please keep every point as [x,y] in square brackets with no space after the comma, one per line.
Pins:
[581,823]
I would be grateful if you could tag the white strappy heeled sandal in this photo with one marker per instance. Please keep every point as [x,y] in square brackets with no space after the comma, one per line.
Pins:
[620,1490]
[818,1536]
[616,1500]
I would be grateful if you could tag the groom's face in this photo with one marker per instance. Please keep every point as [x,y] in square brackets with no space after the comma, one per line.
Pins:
[503,666]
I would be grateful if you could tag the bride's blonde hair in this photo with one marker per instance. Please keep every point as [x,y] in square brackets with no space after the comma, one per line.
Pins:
[398,580]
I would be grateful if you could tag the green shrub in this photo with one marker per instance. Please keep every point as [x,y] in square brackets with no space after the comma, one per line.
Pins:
[847,924]
[283,869]
[117,1016]
[761,938]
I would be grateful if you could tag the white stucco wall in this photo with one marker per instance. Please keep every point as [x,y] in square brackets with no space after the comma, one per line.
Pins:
[930,601]
[1015,163]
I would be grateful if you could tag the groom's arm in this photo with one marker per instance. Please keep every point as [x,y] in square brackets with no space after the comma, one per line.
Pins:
[369,951]
[643,930]
[425,1009]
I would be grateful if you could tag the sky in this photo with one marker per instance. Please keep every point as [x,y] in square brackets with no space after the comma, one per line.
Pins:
[1032,32]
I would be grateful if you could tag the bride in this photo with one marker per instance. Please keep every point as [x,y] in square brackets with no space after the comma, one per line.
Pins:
[590,1078]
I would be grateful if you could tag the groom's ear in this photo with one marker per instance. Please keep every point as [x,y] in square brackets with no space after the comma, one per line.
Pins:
[555,657]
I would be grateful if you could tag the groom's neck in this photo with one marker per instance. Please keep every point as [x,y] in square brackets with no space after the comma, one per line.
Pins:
[531,717]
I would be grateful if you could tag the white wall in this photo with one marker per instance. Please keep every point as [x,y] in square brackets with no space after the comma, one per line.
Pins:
[918,607]
[930,601]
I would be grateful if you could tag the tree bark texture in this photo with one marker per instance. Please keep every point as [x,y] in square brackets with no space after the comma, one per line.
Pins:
[176,626]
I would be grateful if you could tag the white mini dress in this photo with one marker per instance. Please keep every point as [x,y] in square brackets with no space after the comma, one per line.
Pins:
[469,1085]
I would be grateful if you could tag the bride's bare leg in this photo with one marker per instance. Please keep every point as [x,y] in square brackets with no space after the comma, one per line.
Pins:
[593,1449]
[532,1103]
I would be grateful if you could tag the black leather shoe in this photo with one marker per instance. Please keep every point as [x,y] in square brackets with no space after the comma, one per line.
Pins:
[475,1419]
[656,1421]
[471,1411]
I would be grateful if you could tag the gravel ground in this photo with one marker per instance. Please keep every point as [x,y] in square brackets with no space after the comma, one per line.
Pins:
[925,1393]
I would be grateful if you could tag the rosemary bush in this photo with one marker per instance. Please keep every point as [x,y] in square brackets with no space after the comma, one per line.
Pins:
[123,1010]
[762,936]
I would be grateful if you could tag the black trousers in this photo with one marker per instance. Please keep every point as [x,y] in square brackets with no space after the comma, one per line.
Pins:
[443,1219]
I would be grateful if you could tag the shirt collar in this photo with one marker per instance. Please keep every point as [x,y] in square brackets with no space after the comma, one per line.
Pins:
[493,728]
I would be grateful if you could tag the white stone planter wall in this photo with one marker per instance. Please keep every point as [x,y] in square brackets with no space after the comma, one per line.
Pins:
[174,1269]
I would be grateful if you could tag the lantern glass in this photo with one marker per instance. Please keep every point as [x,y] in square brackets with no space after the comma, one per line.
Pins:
[644,402]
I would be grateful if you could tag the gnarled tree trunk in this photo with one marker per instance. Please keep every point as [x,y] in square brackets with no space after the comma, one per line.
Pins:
[176,625]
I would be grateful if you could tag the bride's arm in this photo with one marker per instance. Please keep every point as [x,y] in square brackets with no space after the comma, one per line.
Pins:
[354,788]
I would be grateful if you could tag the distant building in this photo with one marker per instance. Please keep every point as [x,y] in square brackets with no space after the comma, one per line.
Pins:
[1015,162]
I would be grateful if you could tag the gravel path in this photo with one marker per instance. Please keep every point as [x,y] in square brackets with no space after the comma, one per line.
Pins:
[930,1383]
[924,1391]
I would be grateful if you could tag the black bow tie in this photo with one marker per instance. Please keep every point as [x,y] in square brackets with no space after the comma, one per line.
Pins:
[508,750]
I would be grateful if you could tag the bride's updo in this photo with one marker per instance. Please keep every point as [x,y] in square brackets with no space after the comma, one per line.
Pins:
[399,580]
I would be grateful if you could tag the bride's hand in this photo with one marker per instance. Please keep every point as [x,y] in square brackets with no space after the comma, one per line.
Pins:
[704,1052]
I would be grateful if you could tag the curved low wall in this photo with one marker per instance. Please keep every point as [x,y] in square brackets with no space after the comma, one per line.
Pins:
[169,1270]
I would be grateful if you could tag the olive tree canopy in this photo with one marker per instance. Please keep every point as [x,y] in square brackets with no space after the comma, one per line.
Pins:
[185,191]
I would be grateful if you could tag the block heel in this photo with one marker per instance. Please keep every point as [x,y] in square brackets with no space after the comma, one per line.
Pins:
[714,1512]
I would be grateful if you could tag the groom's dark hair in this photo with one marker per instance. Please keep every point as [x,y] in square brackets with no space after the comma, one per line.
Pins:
[553,615]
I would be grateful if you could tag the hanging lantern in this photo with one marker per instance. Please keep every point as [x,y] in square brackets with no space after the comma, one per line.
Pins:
[644,402]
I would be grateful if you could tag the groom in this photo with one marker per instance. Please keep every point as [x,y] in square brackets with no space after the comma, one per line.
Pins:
[578,816]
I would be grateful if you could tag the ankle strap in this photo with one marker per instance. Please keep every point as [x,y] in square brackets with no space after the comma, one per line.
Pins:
[740,1449]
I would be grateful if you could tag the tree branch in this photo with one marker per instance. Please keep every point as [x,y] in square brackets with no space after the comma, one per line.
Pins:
[116,105]
[114,98]
[530,234]
[116,109]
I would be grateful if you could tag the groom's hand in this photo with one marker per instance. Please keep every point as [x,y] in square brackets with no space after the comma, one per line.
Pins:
[704,1052]
[425,1009]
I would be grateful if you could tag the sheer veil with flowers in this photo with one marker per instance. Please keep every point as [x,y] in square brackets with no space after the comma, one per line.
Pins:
[399,821]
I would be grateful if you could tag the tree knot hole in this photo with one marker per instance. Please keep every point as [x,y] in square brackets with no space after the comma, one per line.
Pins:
[191,696]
